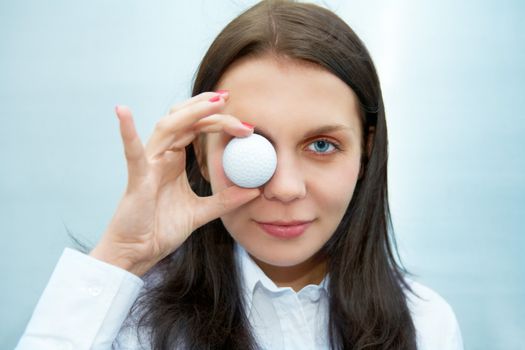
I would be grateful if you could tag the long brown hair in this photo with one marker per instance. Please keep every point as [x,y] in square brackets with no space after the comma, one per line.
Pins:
[198,302]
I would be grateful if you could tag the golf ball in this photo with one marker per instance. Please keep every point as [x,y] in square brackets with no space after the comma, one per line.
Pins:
[249,161]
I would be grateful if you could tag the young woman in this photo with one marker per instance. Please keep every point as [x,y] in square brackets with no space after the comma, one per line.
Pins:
[306,261]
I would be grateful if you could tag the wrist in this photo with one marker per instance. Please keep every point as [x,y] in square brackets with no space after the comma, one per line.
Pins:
[121,258]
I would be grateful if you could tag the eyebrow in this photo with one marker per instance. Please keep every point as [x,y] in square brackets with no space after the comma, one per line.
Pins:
[320,130]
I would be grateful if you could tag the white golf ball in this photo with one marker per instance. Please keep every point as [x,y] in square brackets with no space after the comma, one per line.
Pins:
[249,161]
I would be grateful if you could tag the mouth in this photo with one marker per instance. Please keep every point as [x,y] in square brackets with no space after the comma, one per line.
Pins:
[285,229]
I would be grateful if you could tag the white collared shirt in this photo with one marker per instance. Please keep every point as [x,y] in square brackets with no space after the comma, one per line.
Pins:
[280,317]
[86,302]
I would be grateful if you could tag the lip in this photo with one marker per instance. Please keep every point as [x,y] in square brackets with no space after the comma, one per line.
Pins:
[285,229]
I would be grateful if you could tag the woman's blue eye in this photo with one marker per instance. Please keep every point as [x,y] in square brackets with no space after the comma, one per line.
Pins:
[323,146]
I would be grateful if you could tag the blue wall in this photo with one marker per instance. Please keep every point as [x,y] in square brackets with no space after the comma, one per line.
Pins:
[453,76]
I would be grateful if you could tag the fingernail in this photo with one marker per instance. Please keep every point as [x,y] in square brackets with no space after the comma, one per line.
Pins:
[249,126]
[215,98]
[222,92]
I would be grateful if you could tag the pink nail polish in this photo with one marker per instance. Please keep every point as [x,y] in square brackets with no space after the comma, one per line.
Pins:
[222,92]
[249,126]
[215,98]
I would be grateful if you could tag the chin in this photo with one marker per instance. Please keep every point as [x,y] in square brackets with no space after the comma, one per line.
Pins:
[287,255]
[280,261]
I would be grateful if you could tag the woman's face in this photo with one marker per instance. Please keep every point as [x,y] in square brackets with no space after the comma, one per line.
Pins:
[312,119]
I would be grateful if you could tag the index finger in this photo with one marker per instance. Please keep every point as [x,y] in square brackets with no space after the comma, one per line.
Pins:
[197,98]
[179,126]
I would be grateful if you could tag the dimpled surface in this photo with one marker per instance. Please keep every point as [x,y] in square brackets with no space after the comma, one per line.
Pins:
[249,161]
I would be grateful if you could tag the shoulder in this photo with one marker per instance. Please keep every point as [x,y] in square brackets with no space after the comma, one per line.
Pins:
[425,301]
[434,319]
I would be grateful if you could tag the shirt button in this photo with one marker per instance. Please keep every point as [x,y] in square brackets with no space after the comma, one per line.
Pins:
[94,290]
[314,295]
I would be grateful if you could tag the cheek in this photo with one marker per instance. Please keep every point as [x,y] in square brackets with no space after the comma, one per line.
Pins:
[335,190]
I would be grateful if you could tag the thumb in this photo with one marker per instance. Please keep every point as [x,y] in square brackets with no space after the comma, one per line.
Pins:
[212,207]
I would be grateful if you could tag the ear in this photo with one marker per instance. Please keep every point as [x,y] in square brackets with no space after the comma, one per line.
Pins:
[199,146]
[368,146]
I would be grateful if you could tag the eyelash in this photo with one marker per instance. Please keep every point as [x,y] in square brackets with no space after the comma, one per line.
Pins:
[336,146]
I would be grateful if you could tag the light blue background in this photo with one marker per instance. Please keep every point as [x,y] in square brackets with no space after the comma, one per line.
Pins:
[453,76]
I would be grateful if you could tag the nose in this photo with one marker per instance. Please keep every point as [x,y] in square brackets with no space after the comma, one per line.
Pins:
[287,183]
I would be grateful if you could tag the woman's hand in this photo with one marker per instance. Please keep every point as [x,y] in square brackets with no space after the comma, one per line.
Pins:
[159,210]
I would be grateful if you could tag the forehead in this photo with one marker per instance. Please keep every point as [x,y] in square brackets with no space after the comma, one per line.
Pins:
[278,92]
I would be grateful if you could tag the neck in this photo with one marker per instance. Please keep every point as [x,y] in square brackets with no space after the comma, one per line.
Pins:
[297,277]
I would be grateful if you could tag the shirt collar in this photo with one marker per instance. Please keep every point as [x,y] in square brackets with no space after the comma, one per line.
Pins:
[252,276]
